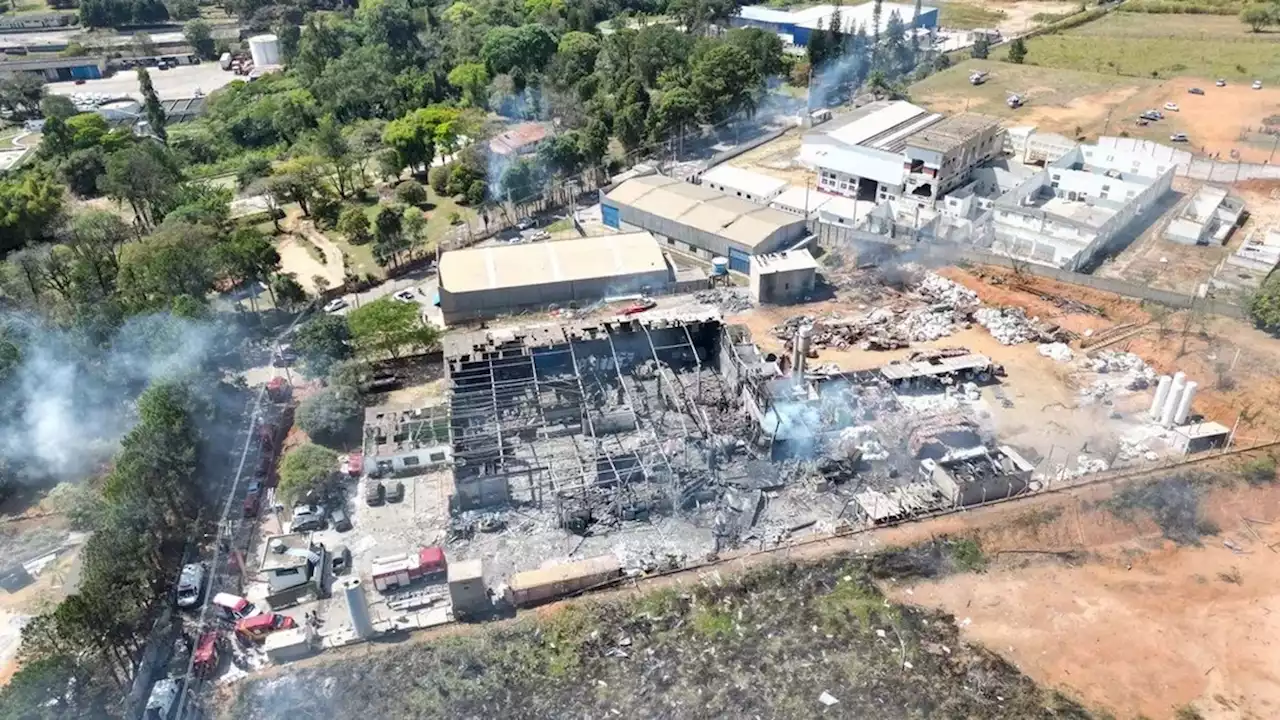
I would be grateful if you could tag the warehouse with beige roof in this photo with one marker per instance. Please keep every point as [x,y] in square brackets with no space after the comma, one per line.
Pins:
[699,220]
[489,281]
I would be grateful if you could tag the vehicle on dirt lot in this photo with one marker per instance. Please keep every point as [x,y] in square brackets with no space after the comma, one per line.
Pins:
[1257,84]
[307,517]
[1195,91]
[395,493]
[1178,137]
[375,493]
[1171,107]
[1221,83]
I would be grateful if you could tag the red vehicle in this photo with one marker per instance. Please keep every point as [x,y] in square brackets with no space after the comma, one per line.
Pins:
[639,306]
[206,654]
[258,627]
[252,498]
[352,465]
[396,571]
[278,389]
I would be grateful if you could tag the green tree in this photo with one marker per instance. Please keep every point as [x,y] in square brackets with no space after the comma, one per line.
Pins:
[413,137]
[247,257]
[387,328]
[354,225]
[329,413]
[1017,51]
[676,111]
[143,175]
[30,205]
[20,94]
[763,47]
[200,36]
[1257,16]
[725,82]
[287,291]
[472,79]
[174,260]
[151,105]
[981,47]
[1264,307]
[576,57]
[305,468]
[184,9]
[322,342]
[330,144]
[388,235]
[411,192]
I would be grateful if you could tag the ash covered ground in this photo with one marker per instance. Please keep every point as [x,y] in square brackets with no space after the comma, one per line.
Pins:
[784,641]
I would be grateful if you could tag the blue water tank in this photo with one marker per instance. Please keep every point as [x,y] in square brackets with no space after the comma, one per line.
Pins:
[719,266]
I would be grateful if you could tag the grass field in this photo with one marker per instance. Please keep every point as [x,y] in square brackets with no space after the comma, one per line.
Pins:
[963,16]
[1160,46]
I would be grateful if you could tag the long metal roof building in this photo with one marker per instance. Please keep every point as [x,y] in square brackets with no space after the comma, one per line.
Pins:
[699,220]
[487,281]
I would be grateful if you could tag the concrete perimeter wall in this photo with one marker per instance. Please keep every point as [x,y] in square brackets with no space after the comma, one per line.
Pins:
[835,237]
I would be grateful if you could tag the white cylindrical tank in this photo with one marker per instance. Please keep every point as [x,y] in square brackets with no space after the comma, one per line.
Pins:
[1175,392]
[800,350]
[1162,393]
[357,607]
[719,266]
[1184,403]
[265,50]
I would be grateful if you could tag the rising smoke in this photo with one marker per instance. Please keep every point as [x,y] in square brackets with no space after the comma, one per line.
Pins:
[67,402]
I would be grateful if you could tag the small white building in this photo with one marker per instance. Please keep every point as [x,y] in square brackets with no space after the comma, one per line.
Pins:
[782,278]
[288,561]
[1208,218]
[1032,147]
[1250,265]
[802,201]
[748,185]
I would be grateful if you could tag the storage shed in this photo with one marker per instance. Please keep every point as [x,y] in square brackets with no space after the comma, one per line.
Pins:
[488,281]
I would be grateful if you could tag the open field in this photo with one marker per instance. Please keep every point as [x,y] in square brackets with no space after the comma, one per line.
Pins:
[1139,45]
[966,16]
[1160,597]
[1008,17]
[1058,100]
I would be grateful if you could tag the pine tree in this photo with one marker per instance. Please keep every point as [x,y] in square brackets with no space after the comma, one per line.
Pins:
[835,34]
[915,39]
[875,31]
[817,49]
[151,103]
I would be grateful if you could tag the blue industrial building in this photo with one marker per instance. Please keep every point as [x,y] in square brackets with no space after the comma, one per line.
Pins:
[796,25]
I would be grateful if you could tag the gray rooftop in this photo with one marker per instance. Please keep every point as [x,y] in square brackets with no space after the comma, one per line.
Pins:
[952,132]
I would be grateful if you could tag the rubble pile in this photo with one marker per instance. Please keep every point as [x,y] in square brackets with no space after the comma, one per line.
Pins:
[941,290]
[730,300]
[1009,326]
[1057,351]
[930,324]
[1119,372]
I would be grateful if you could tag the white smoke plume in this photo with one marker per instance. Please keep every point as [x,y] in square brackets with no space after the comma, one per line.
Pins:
[66,403]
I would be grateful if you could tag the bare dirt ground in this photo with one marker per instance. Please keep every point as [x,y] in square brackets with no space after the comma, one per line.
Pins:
[297,258]
[1142,626]
[777,158]
[1056,100]
[1017,15]
[1215,122]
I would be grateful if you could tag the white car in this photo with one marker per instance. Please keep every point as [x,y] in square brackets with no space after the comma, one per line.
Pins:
[335,305]
[405,296]
[1171,107]
[1178,137]
[190,584]
[1257,84]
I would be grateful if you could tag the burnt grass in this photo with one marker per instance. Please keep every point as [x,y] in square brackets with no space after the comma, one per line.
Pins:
[1173,503]
[764,644]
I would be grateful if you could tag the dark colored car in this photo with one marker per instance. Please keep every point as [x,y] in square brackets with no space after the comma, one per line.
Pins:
[375,494]
[340,560]
[1195,91]
[396,492]
[341,522]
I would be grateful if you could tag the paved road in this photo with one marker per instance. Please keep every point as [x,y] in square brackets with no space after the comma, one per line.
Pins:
[423,283]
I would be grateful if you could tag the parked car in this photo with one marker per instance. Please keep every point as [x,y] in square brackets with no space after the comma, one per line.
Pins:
[252,498]
[307,517]
[1257,84]
[1221,83]
[1171,107]
[339,560]
[405,296]
[375,493]
[525,223]
[284,356]
[395,493]
[233,607]
[1178,137]
[335,305]
[190,585]
[1195,91]
[1152,115]
[341,522]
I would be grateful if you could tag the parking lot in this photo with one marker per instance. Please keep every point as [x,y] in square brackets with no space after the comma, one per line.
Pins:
[175,84]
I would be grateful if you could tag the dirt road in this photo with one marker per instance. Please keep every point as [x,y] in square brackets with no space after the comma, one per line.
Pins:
[297,258]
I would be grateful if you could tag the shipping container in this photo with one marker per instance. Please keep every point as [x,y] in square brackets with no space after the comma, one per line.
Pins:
[538,586]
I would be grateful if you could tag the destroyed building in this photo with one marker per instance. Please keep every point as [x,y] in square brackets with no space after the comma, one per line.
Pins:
[978,475]
[402,438]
